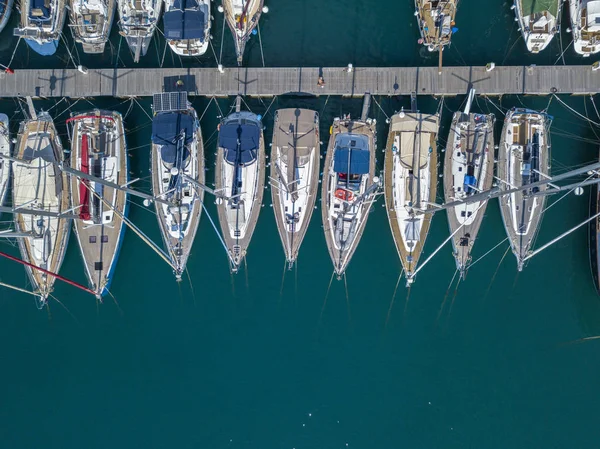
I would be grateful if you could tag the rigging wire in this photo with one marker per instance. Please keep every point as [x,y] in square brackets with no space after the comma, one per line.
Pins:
[575,112]
[262,55]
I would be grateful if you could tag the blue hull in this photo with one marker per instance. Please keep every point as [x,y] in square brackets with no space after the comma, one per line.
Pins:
[47,49]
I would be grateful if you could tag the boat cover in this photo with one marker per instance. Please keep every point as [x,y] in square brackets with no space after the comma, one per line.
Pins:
[539,6]
[166,129]
[593,15]
[39,10]
[185,21]
[351,161]
[239,140]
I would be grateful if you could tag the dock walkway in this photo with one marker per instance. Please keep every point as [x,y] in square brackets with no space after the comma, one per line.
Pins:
[528,80]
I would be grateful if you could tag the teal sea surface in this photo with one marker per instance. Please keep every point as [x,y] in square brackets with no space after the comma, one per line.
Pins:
[277,359]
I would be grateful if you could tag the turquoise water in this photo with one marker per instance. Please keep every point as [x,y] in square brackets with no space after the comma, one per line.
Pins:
[244,362]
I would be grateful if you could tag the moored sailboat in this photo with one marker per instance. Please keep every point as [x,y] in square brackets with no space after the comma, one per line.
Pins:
[5,10]
[240,177]
[585,26]
[90,23]
[39,185]
[137,22]
[523,158]
[295,159]
[539,21]
[242,16]
[468,170]
[177,163]
[41,24]
[410,183]
[436,22]
[349,187]
[4,151]
[187,26]
[98,149]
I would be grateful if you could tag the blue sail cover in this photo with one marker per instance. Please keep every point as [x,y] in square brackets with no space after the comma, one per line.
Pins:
[357,161]
[248,137]
[166,131]
[38,10]
[185,21]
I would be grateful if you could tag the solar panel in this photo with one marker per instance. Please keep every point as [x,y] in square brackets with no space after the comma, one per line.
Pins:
[170,101]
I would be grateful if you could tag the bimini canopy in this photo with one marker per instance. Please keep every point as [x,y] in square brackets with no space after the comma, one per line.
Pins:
[185,21]
[240,142]
[38,10]
[167,129]
[351,161]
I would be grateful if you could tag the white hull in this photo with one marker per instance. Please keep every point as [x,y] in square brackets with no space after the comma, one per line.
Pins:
[4,151]
[585,26]
[537,28]
[137,23]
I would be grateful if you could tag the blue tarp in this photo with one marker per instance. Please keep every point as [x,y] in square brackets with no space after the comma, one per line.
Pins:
[351,161]
[185,21]
[39,5]
[240,142]
[469,183]
[166,131]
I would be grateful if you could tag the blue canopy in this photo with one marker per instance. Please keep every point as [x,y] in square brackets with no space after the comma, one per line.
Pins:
[185,21]
[240,142]
[166,131]
[351,161]
[39,6]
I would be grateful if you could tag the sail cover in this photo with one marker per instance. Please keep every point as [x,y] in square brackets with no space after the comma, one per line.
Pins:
[240,142]
[185,21]
[167,128]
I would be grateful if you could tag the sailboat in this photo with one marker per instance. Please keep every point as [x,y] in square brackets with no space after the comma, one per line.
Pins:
[539,21]
[410,182]
[40,187]
[436,22]
[41,24]
[240,176]
[585,26]
[5,10]
[177,166]
[137,22]
[98,149]
[523,158]
[4,151]
[90,23]
[295,159]
[187,26]
[242,17]
[468,170]
[349,187]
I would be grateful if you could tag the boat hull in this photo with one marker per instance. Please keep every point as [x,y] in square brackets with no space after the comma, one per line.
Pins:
[92,38]
[294,198]
[586,39]
[100,227]
[5,148]
[6,15]
[241,27]
[43,49]
[537,27]
[435,33]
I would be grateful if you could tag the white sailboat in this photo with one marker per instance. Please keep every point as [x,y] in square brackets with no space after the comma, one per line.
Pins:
[187,26]
[242,16]
[41,24]
[137,22]
[4,151]
[585,26]
[539,21]
[90,23]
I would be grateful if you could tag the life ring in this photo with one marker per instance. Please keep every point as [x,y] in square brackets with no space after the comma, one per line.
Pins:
[344,195]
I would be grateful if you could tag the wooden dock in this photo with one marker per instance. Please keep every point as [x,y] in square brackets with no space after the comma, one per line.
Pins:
[528,80]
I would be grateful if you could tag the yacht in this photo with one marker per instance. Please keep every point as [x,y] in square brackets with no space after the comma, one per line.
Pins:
[436,22]
[41,24]
[98,149]
[523,158]
[410,182]
[137,23]
[349,187]
[187,26]
[177,163]
[242,16]
[295,159]
[539,21]
[240,179]
[4,151]
[585,26]
[90,23]
[40,190]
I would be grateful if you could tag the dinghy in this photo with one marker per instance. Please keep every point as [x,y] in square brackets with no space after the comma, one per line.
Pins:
[523,158]
[5,10]
[4,163]
[468,170]
[187,26]
[585,26]
[539,21]
[410,183]
[98,149]
[240,177]
[137,22]
[41,24]
[40,188]
[242,16]
[90,23]
[349,187]
[295,159]
[177,166]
